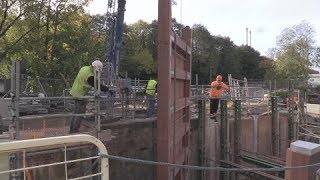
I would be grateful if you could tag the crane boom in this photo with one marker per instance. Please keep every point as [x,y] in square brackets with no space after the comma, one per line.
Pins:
[115,26]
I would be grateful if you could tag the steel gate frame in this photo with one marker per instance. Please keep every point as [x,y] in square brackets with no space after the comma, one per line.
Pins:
[22,145]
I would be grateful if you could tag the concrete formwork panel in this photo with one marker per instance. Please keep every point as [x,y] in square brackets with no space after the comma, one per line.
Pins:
[174,81]
[258,138]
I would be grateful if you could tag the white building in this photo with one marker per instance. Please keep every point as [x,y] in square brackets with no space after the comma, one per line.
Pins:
[314,80]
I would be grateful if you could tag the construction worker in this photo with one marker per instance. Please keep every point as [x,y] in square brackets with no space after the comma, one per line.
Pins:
[217,87]
[83,83]
[151,90]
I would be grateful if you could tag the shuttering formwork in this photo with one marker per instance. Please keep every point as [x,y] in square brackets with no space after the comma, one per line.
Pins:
[174,76]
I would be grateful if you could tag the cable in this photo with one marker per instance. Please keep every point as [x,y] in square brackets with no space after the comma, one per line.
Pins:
[204,168]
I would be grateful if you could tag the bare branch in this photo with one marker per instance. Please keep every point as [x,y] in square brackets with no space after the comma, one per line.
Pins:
[22,36]
[3,29]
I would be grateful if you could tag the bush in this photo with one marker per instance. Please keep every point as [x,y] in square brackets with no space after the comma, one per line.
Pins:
[282,93]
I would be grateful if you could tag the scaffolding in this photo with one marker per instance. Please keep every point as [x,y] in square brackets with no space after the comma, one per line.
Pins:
[131,104]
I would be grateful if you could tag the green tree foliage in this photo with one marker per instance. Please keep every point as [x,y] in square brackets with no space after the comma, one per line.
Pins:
[228,60]
[55,38]
[267,68]
[213,55]
[295,51]
[137,56]
[202,54]
[50,38]
[250,61]
[153,48]
[14,17]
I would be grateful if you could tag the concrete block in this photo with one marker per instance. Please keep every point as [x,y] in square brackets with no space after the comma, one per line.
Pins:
[304,147]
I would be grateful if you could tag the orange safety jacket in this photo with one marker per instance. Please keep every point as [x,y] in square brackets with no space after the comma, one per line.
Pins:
[217,88]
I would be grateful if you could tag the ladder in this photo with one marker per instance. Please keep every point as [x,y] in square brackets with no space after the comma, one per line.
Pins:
[236,90]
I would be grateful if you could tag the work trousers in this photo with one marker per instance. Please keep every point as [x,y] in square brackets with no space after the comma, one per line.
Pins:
[79,108]
[214,104]
[151,105]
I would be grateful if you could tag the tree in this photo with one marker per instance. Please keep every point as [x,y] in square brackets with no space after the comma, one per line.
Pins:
[31,32]
[202,59]
[267,68]
[249,60]
[212,55]
[137,53]
[295,51]
[228,60]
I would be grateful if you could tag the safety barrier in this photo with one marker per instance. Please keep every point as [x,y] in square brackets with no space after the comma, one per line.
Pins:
[43,143]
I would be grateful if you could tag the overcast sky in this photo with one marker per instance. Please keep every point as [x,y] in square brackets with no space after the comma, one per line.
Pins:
[265,18]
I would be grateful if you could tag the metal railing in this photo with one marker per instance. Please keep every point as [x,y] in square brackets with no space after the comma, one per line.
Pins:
[43,143]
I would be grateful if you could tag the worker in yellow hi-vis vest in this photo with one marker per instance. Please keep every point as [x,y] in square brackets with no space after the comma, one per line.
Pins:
[151,90]
[83,83]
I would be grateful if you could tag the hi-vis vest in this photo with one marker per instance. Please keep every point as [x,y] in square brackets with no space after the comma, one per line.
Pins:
[151,87]
[80,85]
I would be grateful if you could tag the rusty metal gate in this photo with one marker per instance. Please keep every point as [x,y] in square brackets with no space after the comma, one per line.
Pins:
[174,76]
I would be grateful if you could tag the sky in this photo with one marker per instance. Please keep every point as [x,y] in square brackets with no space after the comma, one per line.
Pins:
[264,18]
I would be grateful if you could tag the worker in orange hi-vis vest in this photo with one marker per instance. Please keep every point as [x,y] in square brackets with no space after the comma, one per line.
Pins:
[217,87]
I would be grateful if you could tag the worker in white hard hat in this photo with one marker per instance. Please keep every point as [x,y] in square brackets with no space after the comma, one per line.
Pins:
[83,83]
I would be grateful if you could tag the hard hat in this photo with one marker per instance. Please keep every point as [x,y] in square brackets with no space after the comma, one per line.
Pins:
[97,65]
[219,78]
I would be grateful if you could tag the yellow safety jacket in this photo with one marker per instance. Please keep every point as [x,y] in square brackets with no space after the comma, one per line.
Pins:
[80,85]
[151,87]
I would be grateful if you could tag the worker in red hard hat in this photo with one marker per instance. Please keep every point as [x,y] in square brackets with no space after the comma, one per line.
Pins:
[217,87]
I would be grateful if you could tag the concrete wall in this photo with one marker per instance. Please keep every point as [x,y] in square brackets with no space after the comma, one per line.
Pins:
[133,139]
[136,139]
[258,139]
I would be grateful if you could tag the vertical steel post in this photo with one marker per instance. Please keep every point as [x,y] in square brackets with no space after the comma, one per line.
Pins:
[236,129]
[135,98]
[223,134]
[236,133]
[197,86]
[290,115]
[255,133]
[318,174]
[223,128]
[16,92]
[13,78]
[275,126]
[97,100]
[15,95]
[302,121]
[201,136]
[270,87]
